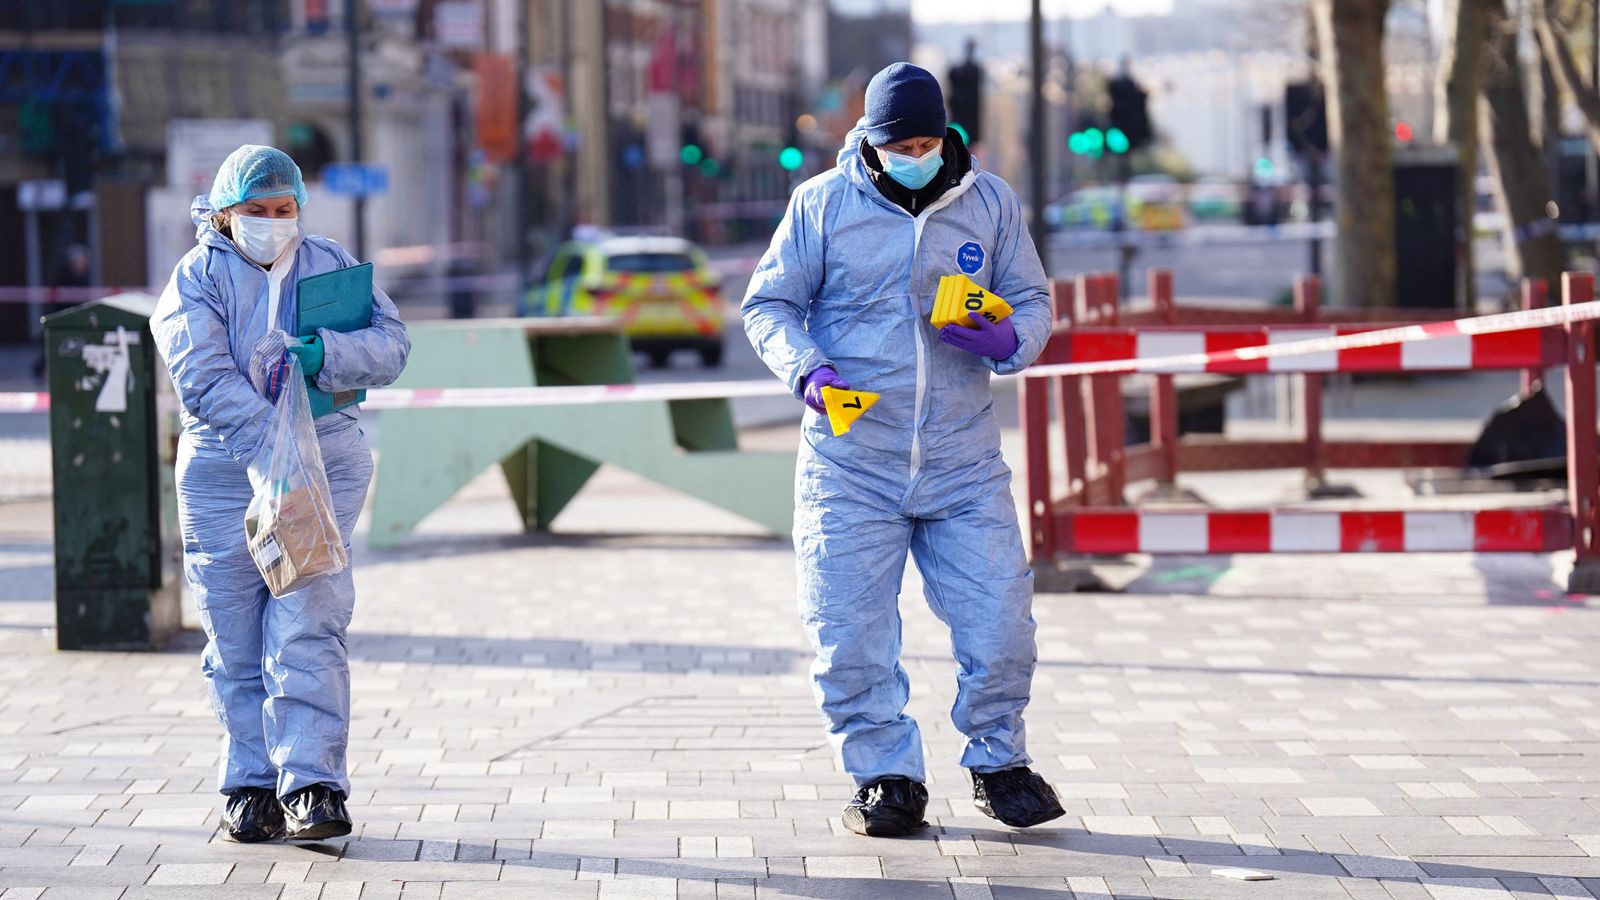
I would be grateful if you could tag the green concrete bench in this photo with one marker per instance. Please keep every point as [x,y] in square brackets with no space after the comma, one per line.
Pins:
[549,452]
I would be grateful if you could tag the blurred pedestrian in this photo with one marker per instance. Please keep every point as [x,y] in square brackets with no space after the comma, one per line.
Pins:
[75,271]
[276,668]
[843,297]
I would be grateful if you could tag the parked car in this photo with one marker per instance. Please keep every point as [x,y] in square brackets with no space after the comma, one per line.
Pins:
[1094,206]
[1215,200]
[1155,203]
[662,288]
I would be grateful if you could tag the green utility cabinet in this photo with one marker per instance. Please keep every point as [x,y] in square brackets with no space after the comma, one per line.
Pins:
[111,455]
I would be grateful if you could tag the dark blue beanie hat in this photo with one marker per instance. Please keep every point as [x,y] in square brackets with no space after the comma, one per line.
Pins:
[904,101]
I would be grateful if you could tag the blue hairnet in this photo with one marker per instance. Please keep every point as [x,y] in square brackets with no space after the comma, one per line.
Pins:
[254,171]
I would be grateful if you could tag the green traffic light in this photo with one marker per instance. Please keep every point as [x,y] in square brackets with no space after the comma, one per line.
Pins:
[710,168]
[1078,143]
[1263,168]
[1116,141]
[691,154]
[791,158]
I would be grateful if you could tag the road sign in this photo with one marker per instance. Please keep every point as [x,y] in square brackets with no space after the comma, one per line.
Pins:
[458,24]
[42,194]
[355,179]
[197,147]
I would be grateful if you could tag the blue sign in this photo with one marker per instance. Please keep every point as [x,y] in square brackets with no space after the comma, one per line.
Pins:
[355,179]
[970,257]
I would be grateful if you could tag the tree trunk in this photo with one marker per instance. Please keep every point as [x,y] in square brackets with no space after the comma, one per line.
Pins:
[1456,122]
[1350,35]
[1522,190]
[1558,56]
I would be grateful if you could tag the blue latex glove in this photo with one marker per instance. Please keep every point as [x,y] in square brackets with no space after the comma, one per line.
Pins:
[816,381]
[310,351]
[996,340]
[278,375]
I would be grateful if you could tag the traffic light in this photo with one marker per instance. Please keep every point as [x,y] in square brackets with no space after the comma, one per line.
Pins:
[1090,142]
[1403,132]
[966,98]
[1128,113]
[691,149]
[1116,141]
[1305,118]
[791,158]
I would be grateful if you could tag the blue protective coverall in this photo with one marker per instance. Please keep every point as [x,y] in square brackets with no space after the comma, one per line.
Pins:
[849,282]
[276,669]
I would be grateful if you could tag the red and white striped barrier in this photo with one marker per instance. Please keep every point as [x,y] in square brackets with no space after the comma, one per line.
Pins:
[490,398]
[1108,531]
[1457,344]
[61,296]
[1504,340]
[575,395]
[24,402]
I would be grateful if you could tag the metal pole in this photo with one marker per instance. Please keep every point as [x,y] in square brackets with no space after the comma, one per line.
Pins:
[1591,167]
[30,228]
[522,18]
[1314,157]
[1036,143]
[569,164]
[353,47]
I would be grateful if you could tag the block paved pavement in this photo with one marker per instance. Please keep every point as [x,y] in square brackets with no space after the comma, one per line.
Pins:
[622,711]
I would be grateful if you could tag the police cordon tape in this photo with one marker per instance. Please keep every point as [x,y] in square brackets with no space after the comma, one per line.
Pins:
[1243,358]
[1234,359]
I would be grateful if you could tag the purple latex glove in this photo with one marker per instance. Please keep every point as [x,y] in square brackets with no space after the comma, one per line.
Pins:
[816,381]
[996,340]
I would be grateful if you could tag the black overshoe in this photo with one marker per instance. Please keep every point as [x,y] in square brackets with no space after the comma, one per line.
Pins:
[252,815]
[315,813]
[1018,797]
[888,807]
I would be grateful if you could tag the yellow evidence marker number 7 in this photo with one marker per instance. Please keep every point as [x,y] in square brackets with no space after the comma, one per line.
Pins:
[958,299]
[845,407]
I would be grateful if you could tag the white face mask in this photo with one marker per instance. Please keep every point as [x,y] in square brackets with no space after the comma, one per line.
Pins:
[262,239]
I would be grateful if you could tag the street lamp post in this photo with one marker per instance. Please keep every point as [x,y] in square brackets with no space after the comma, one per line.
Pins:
[1036,146]
[354,108]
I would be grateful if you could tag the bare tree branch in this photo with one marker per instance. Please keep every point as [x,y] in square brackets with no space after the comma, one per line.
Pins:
[1553,37]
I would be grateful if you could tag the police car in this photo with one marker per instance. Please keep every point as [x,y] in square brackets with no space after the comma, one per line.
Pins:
[662,288]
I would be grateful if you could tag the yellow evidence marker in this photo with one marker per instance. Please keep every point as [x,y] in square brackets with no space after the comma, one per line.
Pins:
[958,298]
[845,407]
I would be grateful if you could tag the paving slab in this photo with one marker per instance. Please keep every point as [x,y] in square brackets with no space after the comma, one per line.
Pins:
[621,709]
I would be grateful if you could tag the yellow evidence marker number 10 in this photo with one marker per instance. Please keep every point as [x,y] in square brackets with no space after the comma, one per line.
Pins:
[845,407]
[958,298]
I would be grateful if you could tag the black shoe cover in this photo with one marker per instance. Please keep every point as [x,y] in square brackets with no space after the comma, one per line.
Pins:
[888,807]
[1018,797]
[316,814]
[252,815]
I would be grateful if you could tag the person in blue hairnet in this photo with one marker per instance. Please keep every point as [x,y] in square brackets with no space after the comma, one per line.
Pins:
[276,668]
[843,297]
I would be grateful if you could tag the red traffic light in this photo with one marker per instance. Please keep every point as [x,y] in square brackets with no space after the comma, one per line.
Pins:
[1402,132]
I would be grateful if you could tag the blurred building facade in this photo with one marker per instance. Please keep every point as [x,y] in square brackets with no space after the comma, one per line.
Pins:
[86,91]
[699,98]
[612,93]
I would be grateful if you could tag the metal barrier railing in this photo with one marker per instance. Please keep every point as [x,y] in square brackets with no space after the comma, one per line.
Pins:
[1091,516]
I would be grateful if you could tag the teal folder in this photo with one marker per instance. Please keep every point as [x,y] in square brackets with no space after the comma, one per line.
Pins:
[338,301]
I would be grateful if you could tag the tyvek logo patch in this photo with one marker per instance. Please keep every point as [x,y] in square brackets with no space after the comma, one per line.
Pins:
[970,257]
